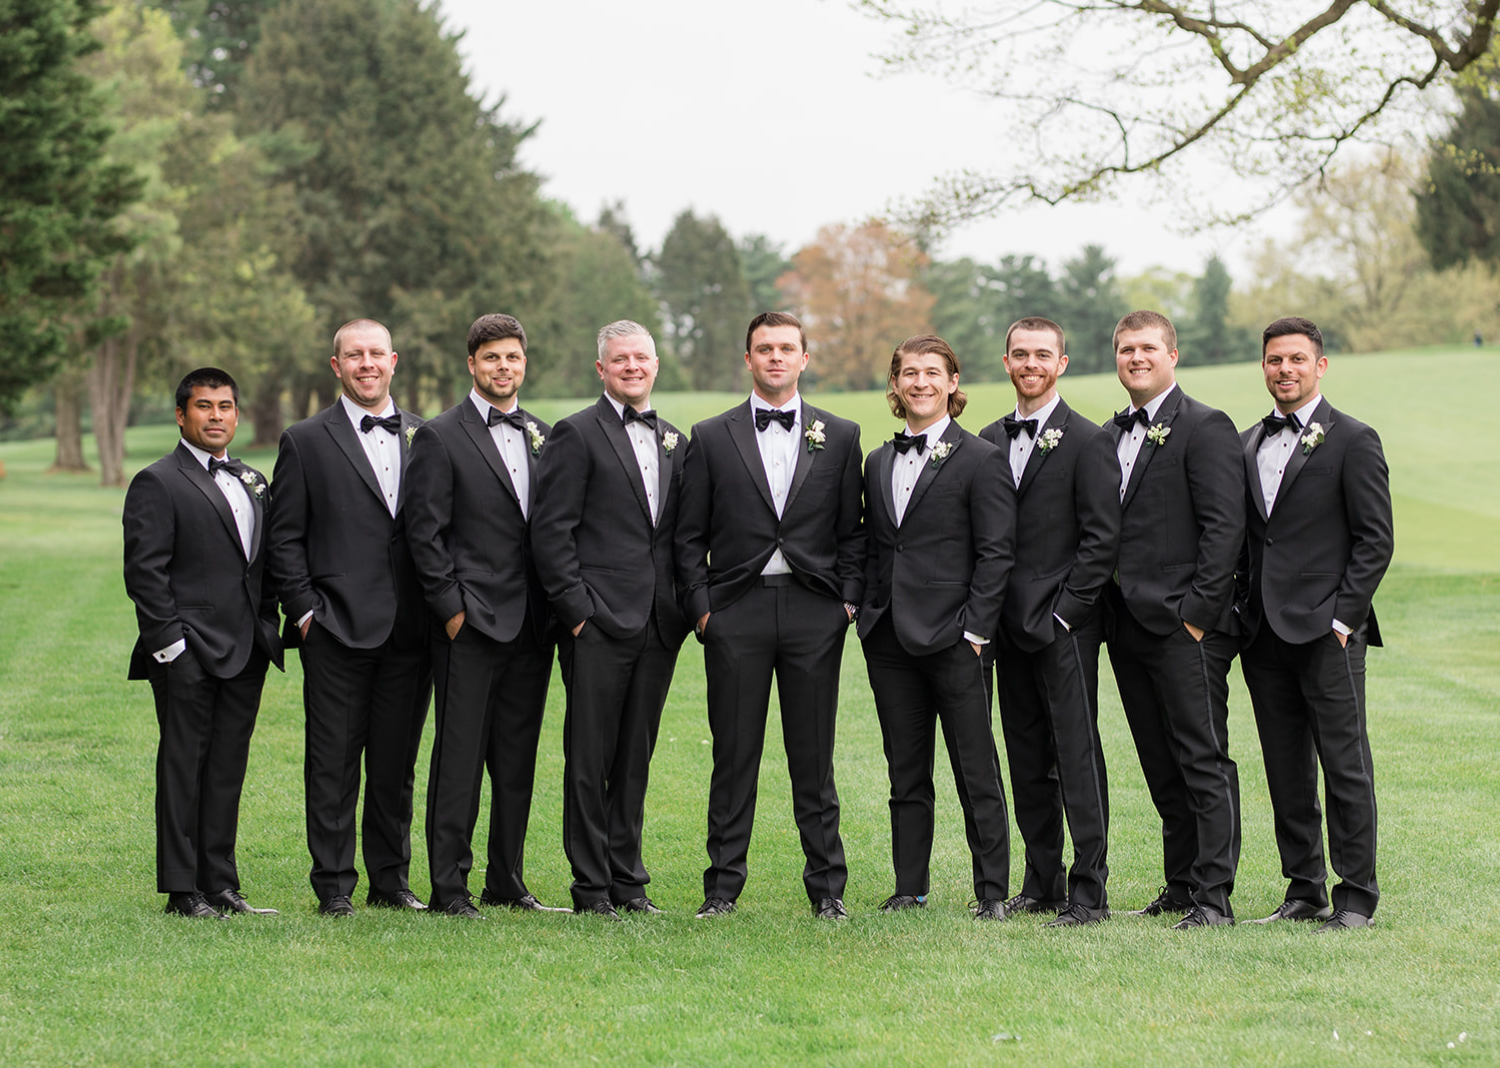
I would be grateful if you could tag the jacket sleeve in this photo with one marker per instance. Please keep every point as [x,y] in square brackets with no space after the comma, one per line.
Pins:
[563,471]
[429,513]
[1367,510]
[694,518]
[1096,503]
[1216,480]
[289,576]
[849,525]
[150,535]
[992,532]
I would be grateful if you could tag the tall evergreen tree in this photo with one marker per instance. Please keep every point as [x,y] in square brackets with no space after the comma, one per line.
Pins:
[1091,305]
[763,262]
[702,285]
[218,37]
[1458,211]
[1208,336]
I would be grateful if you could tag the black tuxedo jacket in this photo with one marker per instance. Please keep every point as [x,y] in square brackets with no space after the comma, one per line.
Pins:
[943,571]
[1183,520]
[596,550]
[333,547]
[1067,528]
[186,571]
[467,533]
[727,526]
[1326,544]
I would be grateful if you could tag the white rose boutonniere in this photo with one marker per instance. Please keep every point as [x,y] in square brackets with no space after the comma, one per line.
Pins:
[1157,434]
[815,436]
[1049,439]
[411,432]
[535,437]
[668,442]
[253,483]
[1313,438]
[941,451]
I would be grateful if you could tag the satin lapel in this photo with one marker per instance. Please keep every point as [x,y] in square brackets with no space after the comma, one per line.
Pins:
[885,459]
[953,436]
[1164,416]
[1057,421]
[1322,415]
[1252,473]
[663,471]
[531,458]
[344,435]
[480,435]
[408,425]
[805,455]
[742,433]
[258,517]
[198,475]
[619,440]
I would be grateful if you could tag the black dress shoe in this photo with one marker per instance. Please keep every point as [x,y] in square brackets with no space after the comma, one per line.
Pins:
[192,905]
[1295,909]
[524,903]
[601,908]
[459,906]
[898,902]
[1022,903]
[989,908]
[1203,916]
[1077,916]
[830,908]
[337,906]
[227,901]
[1344,920]
[1165,902]
[640,904]
[401,899]
[714,906]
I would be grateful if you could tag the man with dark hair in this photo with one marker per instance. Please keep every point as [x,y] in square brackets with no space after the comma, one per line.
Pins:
[1170,626]
[472,488]
[606,509]
[194,566]
[942,537]
[354,609]
[1062,477]
[1320,537]
[770,555]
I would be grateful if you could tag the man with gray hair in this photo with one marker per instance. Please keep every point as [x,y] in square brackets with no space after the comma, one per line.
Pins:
[601,534]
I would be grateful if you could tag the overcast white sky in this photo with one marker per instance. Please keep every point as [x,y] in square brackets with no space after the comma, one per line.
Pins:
[772,116]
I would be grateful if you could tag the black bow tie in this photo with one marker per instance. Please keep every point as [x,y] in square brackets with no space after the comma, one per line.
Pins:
[648,417]
[390,422]
[764,416]
[904,441]
[1014,426]
[216,465]
[513,417]
[1275,424]
[1125,418]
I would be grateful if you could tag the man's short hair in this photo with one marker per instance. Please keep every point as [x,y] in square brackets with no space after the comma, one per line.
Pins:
[1292,324]
[774,319]
[356,324]
[920,345]
[1145,320]
[623,328]
[495,327]
[1036,322]
[208,378]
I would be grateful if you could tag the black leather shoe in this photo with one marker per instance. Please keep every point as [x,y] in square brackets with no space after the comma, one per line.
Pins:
[601,908]
[459,906]
[830,908]
[1203,916]
[524,903]
[1294,909]
[1077,916]
[989,908]
[899,902]
[1022,903]
[192,905]
[401,899]
[338,906]
[714,906]
[640,904]
[1165,902]
[227,901]
[1344,920]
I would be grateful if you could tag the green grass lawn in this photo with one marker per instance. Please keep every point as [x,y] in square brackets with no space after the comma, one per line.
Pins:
[92,972]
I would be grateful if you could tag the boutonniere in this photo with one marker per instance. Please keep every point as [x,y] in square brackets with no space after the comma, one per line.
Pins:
[1049,439]
[1313,438]
[411,432]
[940,452]
[535,437]
[815,436]
[256,485]
[1157,435]
[668,442]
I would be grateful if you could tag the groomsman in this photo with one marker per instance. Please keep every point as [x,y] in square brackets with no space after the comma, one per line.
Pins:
[1170,628]
[195,568]
[941,525]
[471,488]
[606,508]
[770,563]
[1320,538]
[1063,478]
[354,609]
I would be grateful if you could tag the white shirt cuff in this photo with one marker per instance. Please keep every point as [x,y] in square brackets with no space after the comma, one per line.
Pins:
[1342,629]
[1063,621]
[305,617]
[976,639]
[171,652]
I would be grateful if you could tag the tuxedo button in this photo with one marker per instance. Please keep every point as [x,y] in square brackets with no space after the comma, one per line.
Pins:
[901,548]
[1270,541]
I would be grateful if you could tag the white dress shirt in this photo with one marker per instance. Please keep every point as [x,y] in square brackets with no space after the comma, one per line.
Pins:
[907,467]
[382,448]
[1129,448]
[513,448]
[1276,449]
[778,453]
[1023,443]
[643,441]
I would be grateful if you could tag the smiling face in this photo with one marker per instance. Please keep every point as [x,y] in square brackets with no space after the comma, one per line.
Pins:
[1293,370]
[1145,365]
[923,385]
[364,365]
[776,360]
[1034,362]
[628,369]
[210,419]
[499,368]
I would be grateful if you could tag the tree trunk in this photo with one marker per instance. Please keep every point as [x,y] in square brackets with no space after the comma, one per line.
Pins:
[445,392]
[323,389]
[414,394]
[265,412]
[111,386]
[68,389]
[301,399]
